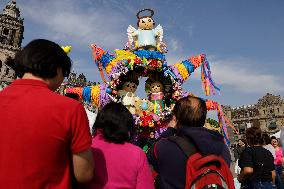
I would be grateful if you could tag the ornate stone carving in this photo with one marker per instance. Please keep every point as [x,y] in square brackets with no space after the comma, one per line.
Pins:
[11,35]
[12,10]
[269,100]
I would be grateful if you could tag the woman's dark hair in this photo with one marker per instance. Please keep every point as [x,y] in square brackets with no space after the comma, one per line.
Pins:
[266,138]
[273,137]
[116,122]
[190,111]
[41,58]
[254,136]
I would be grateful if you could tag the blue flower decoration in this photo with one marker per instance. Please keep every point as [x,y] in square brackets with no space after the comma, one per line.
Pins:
[189,66]
[86,94]
[106,58]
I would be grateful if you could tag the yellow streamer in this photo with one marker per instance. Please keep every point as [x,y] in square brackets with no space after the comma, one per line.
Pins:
[182,70]
[95,95]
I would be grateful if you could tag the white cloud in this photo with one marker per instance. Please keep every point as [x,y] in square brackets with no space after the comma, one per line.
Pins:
[237,75]
[84,22]
[68,19]
[242,77]
[173,44]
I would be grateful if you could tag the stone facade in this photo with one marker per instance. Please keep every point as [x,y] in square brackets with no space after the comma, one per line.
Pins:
[11,36]
[267,113]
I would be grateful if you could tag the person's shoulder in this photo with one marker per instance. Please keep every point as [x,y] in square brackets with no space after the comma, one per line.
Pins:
[262,150]
[63,100]
[164,146]
[248,149]
[133,148]
[266,150]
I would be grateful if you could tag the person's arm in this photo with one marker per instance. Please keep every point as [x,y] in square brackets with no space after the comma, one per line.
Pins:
[246,172]
[81,141]
[273,174]
[246,164]
[83,165]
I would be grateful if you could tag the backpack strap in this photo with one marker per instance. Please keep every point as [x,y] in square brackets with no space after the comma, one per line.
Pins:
[187,147]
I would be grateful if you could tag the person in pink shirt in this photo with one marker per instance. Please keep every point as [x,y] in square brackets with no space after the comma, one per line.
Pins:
[119,164]
[278,162]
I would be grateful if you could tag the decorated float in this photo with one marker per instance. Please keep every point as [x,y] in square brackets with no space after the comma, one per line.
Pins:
[144,55]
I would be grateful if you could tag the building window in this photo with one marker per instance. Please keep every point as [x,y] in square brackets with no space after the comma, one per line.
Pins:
[263,111]
[5,31]
[278,110]
[271,110]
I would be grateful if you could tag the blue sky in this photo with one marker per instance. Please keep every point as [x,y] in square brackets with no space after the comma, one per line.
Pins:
[243,39]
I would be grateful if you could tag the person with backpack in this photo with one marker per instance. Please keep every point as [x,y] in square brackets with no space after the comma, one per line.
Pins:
[256,162]
[189,155]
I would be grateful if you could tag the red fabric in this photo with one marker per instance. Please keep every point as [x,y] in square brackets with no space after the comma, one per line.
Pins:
[39,131]
[197,165]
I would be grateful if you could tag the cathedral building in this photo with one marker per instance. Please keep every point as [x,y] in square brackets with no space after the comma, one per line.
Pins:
[11,36]
[267,113]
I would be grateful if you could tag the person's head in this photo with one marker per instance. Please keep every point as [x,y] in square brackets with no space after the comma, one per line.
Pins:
[241,142]
[266,138]
[73,95]
[274,141]
[152,135]
[190,111]
[254,136]
[116,122]
[145,22]
[43,59]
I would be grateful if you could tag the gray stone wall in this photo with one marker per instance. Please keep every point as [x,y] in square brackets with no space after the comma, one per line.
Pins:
[11,36]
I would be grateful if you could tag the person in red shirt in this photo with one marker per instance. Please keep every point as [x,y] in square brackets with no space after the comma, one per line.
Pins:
[44,137]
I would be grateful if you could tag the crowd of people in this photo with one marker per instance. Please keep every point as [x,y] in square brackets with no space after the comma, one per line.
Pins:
[259,160]
[46,143]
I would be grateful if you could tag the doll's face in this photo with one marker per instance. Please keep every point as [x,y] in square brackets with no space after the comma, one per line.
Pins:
[146,23]
[129,86]
[156,87]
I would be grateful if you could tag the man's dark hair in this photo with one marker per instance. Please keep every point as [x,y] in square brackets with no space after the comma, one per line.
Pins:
[41,58]
[116,122]
[254,136]
[190,111]
[73,95]
[266,138]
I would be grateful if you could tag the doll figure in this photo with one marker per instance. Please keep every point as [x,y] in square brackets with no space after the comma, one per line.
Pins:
[145,37]
[157,96]
[128,97]
[143,105]
[144,108]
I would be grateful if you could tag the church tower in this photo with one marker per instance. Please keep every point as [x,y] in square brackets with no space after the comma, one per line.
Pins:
[11,35]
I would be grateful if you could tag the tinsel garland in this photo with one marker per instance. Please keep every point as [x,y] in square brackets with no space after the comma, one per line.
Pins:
[76,90]
[86,94]
[104,97]
[95,95]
